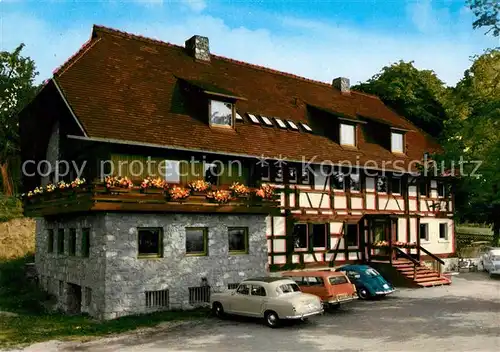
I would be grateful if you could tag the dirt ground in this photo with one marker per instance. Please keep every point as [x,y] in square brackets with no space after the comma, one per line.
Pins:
[462,317]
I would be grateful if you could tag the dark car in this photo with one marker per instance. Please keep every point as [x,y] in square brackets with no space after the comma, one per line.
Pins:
[369,283]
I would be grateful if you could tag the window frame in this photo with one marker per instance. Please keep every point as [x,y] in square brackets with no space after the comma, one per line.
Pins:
[233,113]
[85,249]
[249,287]
[402,151]
[206,168]
[424,186]
[441,186]
[360,186]
[291,179]
[160,251]
[307,236]
[426,226]
[400,182]
[354,127]
[262,169]
[386,184]
[72,242]
[445,227]
[205,242]
[246,240]
[310,231]
[346,227]
[168,163]
[332,182]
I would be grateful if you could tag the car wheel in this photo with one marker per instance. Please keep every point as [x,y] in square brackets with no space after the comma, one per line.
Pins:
[218,310]
[363,293]
[272,319]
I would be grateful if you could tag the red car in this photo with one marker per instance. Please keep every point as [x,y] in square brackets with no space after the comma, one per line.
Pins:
[334,288]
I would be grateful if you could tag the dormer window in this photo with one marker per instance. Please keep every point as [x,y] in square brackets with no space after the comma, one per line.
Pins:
[221,114]
[397,142]
[347,134]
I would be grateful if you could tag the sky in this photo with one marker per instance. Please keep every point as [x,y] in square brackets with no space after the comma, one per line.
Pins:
[317,39]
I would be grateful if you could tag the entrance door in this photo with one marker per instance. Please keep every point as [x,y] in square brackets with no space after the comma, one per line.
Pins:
[74,299]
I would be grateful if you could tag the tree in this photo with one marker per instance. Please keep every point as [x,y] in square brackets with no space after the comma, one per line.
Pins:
[415,94]
[488,15]
[472,131]
[17,74]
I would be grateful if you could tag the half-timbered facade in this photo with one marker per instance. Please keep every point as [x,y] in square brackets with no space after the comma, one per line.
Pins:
[345,166]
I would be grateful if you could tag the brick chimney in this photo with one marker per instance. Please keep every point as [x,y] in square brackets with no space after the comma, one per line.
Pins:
[197,47]
[343,84]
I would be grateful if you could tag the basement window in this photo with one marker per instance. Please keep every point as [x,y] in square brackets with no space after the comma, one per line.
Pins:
[196,241]
[60,241]
[85,242]
[150,242]
[50,240]
[72,242]
[221,113]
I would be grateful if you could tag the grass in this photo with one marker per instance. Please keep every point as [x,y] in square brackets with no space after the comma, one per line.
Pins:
[33,323]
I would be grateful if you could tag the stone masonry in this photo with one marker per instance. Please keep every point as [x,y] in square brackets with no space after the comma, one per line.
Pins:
[117,279]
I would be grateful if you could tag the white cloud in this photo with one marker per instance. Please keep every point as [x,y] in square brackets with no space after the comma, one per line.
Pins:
[195,5]
[311,49]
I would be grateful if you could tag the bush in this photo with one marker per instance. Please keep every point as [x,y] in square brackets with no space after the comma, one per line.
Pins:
[10,208]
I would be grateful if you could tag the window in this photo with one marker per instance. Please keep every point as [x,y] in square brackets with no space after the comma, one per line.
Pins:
[337,280]
[292,174]
[287,288]
[221,113]
[382,184]
[347,134]
[424,188]
[258,290]
[88,296]
[211,173]
[441,188]
[239,117]
[424,232]
[196,241]
[397,144]
[351,235]
[265,171]
[50,240]
[172,171]
[305,177]
[85,242]
[266,121]
[313,280]
[72,242]
[306,127]
[60,241]
[157,299]
[292,125]
[238,239]
[396,185]
[200,294]
[253,118]
[319,235]
[355,182]
[61,288]
[278,173]
[300,235]
[338,181]
[280,123]
[243,289]
[443,231]
[150,242]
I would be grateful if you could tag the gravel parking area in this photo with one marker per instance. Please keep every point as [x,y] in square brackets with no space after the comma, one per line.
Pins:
[462,317]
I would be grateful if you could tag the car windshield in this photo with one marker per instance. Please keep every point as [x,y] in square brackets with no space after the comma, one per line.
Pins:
[287,288]
[337,280]
[371,272]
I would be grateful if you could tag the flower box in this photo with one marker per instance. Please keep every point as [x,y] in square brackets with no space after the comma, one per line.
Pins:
[152,191]
[117,190]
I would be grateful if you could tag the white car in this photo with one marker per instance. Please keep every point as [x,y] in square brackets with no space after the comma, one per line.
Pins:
[490,261]
[271,298]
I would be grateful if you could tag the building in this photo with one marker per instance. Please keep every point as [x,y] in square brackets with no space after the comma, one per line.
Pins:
[124,101]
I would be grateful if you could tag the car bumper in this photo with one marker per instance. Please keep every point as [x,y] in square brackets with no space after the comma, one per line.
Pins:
[495,271]
[384,292]
[342,300]
[305,315]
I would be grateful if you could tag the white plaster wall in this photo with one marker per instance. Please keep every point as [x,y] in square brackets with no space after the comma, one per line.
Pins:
[336,227]
[402,230]
[279,226]
[370,201]
[339,202]
[356,203]
[279,246]
[436,245]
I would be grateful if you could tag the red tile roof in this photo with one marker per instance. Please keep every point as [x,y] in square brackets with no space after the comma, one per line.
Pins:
[125,87]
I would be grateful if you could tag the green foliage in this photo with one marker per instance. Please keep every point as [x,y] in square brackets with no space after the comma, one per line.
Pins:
[487,13]
[10,208]
[415,94]
[34,324]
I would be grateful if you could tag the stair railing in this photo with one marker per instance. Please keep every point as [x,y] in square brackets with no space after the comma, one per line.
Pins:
[436,259]
[401,253]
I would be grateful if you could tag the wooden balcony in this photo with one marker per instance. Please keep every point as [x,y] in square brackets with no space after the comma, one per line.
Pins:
[97,198]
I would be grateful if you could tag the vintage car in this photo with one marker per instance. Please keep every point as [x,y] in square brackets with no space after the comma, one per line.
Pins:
[271,298]
[334,288]
[369,283]
[490,260]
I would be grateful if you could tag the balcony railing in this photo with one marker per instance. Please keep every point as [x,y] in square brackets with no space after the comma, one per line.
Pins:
[97,197]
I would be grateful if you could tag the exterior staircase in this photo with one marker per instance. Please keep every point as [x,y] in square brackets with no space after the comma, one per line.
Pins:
[418,275]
